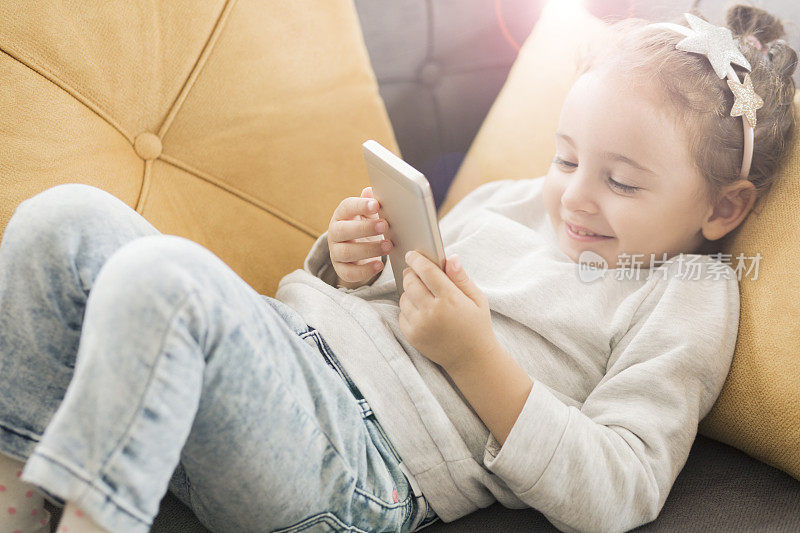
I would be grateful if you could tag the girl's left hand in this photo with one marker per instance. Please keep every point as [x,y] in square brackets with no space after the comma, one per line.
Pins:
[444,315]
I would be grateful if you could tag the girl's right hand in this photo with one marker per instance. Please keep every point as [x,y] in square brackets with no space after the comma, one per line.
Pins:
[355,240]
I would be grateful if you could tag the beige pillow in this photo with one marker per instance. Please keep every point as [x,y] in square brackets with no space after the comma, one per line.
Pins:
[758,410]
[235,124]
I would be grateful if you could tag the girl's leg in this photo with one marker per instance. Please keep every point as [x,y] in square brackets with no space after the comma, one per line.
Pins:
[50,252]
[197,368]
[182,366]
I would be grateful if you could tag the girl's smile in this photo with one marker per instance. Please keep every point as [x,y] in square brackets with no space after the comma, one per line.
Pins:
[582,234]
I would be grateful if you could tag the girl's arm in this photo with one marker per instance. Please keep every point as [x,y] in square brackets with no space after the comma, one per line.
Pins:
[610,464]
[495,385]
[447,318]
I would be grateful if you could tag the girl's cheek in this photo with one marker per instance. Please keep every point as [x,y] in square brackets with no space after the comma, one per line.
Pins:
[552,189]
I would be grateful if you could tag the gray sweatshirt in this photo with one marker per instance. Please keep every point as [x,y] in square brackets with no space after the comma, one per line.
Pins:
[623,367]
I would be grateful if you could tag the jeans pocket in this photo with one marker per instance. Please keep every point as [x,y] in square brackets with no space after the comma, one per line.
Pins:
[418,512]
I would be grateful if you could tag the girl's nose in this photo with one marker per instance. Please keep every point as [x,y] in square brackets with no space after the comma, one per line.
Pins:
[578,195]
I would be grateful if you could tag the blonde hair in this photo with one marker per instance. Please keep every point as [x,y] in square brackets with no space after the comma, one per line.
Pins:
[700,101]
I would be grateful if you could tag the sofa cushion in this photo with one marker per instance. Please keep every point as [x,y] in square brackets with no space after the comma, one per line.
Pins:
[235,124]
[758,410]
[719,489]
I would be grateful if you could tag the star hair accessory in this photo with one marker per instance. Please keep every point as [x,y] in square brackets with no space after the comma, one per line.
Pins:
[718,45]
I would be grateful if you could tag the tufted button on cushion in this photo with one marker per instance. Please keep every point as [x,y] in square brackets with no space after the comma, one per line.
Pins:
[431,73]
[147,145]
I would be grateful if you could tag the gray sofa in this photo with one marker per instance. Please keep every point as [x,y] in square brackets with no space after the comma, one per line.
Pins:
[440,65]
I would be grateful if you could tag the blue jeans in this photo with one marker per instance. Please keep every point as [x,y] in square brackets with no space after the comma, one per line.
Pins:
[134,362]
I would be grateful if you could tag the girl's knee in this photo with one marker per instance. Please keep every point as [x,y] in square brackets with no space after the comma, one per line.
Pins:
[150,267]
[69,197]
[163,253]
[48,216]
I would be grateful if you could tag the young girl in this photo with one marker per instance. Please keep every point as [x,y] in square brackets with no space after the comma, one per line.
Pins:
[509,377]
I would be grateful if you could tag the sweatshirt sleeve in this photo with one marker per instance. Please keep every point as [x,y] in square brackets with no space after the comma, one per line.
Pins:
[610,465]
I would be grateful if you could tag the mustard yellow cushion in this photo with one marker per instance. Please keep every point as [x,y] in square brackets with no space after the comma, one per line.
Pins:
[758,410]
[235,124]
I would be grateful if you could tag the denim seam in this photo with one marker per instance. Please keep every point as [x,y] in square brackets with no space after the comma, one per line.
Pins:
[88,484]
[307,522]
[126,434]
[388,442]
[377,424]
[409,516]
[18,432]
[335,363]
[383,503]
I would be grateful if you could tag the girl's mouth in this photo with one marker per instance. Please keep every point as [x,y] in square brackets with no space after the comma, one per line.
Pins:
[584,238]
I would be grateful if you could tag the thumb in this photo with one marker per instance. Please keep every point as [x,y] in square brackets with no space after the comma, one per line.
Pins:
[456,272]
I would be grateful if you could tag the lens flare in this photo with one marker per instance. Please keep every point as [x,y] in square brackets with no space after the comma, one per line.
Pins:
[567,6]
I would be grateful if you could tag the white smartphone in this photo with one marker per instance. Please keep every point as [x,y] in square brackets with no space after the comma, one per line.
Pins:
[406,202]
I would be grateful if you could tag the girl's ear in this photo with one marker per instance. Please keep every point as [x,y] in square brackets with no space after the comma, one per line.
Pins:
[732,206]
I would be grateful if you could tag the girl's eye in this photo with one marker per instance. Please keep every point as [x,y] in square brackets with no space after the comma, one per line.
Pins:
[557,160]
[622,186]
[615,184]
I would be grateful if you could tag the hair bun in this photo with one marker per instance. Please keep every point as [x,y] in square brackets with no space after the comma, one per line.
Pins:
[746,20]
[743,20]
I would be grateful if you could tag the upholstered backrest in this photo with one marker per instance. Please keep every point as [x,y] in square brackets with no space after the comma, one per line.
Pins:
[440,65]
[235,124]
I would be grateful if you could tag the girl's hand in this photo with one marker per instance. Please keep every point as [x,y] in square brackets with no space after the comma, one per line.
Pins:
[444,315]
[355,240]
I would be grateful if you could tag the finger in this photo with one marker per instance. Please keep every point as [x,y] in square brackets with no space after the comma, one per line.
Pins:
[431,275]
[352,206]
[367,193]
[352,272]
[455,271]
[415,288]
[347,252]
[346,230]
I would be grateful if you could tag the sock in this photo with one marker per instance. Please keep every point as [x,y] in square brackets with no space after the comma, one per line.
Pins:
[73,520]
[22,508]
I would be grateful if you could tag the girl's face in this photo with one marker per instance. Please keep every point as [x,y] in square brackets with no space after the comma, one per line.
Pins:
[622,170]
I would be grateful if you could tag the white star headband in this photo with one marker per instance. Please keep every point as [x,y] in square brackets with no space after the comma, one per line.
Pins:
[717,43]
